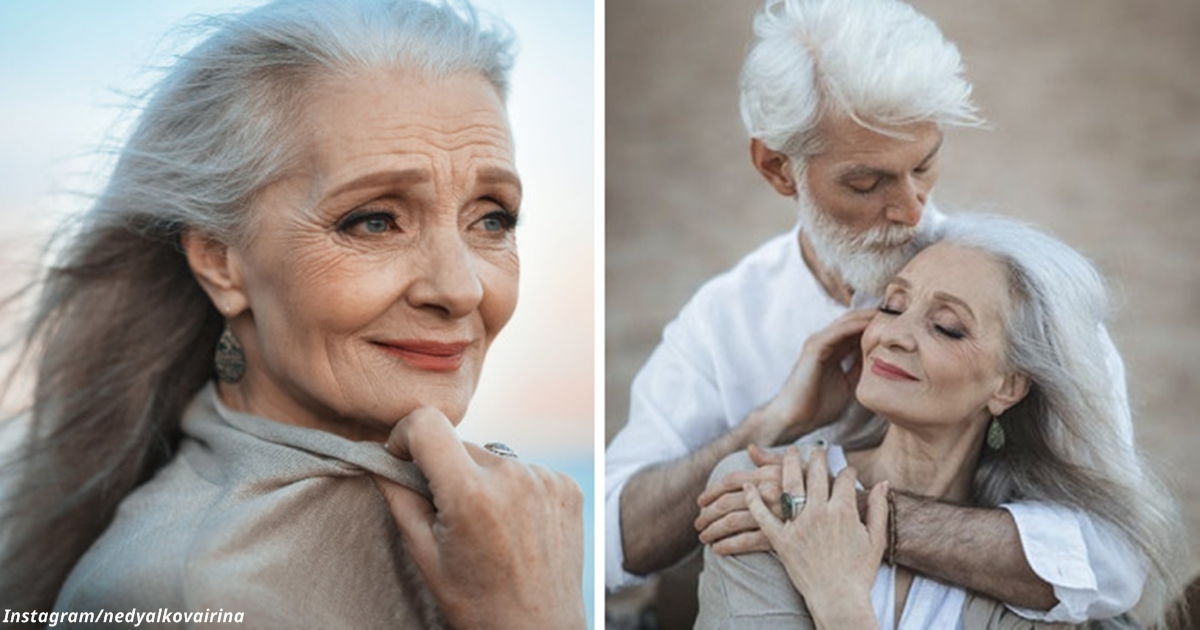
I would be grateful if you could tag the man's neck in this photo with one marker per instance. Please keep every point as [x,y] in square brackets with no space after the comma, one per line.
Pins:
[830,280]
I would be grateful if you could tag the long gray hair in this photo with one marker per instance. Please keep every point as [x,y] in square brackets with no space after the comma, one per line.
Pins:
[122,336]
[1067,442]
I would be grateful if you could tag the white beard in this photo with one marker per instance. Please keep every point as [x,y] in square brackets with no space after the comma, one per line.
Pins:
[867,261]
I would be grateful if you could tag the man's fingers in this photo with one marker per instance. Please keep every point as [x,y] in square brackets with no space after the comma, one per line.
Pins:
[732,482]
[843,332]
[728,525]
[745,542]
[414,517]
[725,504]
[427,438]
[762,457]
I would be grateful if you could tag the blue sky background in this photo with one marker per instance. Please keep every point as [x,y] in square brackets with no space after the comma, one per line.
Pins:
[67,66]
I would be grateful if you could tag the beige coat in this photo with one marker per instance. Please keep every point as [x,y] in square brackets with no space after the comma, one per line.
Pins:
[278,522]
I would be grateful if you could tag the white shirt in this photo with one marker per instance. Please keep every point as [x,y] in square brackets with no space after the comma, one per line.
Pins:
[730,350]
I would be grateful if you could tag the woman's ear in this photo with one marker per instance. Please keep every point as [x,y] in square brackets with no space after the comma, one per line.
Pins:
[1012,390]
[774,166]
[217,269]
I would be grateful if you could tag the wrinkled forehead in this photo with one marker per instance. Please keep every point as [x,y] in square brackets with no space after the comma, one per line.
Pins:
[972,275]
[387,110]
[842,138]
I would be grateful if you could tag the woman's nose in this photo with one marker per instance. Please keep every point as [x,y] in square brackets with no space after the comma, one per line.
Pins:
[897,332]
[446,279]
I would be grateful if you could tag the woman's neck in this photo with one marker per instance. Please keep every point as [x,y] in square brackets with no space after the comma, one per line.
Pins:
[930,462]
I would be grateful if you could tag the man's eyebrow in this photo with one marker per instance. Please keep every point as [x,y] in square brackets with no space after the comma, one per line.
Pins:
[937,147]
[862,170]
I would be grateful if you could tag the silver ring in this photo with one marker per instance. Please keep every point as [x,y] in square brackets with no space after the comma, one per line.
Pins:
[501,449]
[791,505]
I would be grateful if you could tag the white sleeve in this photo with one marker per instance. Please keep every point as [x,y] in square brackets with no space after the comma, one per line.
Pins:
[675,407]
[1095,573]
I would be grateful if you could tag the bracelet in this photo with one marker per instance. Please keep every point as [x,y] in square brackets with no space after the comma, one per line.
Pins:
[891,548]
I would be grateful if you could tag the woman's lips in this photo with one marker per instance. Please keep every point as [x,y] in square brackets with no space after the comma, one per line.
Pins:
[435,356]
[882,368]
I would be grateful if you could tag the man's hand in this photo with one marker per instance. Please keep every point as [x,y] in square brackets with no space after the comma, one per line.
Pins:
[725,522]
[501,546]
[818,390]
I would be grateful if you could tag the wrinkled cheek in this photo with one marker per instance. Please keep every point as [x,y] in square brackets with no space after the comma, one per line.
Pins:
[501,282]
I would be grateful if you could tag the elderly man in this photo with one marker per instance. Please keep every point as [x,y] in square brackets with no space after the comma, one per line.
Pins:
[845,102]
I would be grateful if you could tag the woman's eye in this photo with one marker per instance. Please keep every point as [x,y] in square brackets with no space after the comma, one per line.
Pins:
[884,308]
[498,221]
[952,333]
[375,225]
[368,223]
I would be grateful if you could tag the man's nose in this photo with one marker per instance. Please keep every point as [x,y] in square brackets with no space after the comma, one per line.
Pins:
[908,201]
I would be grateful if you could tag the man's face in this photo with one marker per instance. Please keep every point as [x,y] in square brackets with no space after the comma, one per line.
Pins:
[862,198]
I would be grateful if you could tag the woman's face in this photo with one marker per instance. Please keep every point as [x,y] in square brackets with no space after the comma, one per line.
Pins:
[380,273]
[934,354]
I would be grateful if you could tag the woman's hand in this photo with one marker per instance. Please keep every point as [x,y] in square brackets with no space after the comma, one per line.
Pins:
[817,391]
[502,544]
[831,558]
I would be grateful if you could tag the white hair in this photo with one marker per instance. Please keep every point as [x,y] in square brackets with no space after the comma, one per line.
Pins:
[868,260]
[123,336]
[879,62]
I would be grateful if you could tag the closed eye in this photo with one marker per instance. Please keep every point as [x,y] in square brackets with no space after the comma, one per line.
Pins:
[952,333]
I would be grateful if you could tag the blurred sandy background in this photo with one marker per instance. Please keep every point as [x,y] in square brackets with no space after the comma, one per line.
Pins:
[1095,113]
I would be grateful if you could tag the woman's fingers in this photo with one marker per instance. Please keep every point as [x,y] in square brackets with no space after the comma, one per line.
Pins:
[877,516]
[767,523]
[793,481]
[427,438]
[816,477]
[415,518]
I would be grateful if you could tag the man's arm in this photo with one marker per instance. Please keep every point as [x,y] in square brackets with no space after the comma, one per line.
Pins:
[658,503]
[979,549]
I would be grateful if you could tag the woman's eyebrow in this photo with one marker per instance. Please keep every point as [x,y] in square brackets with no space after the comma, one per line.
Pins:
[384,178]
[953,299]
[498,175]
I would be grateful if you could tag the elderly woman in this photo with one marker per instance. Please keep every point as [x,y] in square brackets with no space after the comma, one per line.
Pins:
[303,254]
[986,377]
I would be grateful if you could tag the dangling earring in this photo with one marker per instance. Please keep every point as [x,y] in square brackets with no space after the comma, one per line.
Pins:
[229,360]
[995,435]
